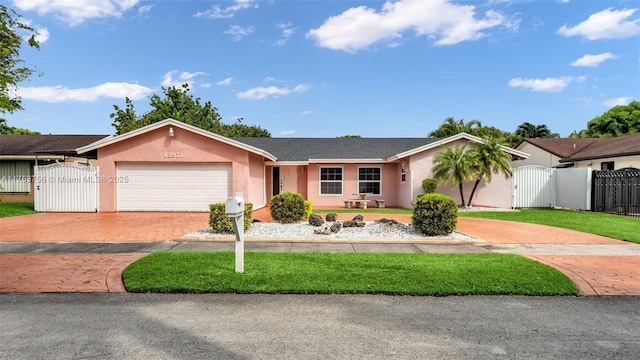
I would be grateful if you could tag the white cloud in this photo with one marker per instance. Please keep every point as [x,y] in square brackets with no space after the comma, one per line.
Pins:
[206,85]
[287,31]
[308,112]
[217,12]
[225,82]
[606,24]
[76,12]
[545,85]
[439,20]
[54,94]
[262,92]
[593,60]
[617,101]
[287,132]
[144,9]
[41,33]
[169,79]
[238,32]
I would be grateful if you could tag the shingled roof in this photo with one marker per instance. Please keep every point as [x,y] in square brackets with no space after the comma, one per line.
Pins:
[570,150]
[605,148]
[20,145]
[563,148]
[305,149]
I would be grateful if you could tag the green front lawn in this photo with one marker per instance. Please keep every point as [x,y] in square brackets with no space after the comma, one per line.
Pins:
[346,273]
[614,226]
[16,209]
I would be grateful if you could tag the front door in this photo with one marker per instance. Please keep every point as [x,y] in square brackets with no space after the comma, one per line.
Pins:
[288,179]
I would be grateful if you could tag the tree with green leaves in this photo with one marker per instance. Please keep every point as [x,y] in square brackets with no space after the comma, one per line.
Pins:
[528,130]
[451,127]
[179,105]
[454,165]
[12,130]
[13,69]
[617,121]
[490,157]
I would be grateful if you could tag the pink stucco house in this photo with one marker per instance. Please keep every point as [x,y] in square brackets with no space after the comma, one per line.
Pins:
[172,166]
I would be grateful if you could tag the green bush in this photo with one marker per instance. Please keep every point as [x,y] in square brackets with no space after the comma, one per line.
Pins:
[435,215]
[429,186]
[308,208]
[287,207]
[220,222]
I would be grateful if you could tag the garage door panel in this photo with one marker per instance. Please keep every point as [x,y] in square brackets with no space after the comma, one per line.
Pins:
[172,187]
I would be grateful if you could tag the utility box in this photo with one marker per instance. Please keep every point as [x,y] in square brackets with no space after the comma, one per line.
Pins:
[234,206]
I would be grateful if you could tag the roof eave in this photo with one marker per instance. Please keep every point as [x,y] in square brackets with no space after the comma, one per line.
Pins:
[450,139]
[178,124]
[347,161]
[605,156]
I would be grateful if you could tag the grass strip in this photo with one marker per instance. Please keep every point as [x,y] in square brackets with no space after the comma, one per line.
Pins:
[614,226]
[16,209]
[346,273]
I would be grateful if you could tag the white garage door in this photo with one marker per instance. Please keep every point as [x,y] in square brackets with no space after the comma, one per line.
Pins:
[172,187]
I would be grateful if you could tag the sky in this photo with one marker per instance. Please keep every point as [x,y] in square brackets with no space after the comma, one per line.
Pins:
[325,68]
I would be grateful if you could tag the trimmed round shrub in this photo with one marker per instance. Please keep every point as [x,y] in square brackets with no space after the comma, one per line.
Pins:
[287,207]
[221,223]
[429,186]
[435,215]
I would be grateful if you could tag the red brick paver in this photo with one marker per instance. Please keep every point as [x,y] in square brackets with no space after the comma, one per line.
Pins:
[594,274]
[101,227]
[63,273]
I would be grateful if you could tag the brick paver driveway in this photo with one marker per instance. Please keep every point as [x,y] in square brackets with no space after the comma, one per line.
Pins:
[595,274]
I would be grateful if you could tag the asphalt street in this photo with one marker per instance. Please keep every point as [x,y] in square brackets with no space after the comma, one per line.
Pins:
[233,326]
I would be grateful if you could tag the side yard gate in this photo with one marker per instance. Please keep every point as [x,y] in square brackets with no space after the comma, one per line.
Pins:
[542,187]
[66,187]
[617,192]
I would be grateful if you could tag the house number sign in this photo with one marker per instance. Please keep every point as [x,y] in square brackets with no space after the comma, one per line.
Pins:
[173,155]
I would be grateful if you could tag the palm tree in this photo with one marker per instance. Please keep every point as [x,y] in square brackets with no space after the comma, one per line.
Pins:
[454,165]
[529,130]
[452,127]
[490,157]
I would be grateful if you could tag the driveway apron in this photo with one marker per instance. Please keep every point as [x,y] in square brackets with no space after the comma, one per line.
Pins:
[598,265]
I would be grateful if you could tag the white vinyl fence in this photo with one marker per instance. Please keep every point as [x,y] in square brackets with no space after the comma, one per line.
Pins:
[66,187]
[541,187]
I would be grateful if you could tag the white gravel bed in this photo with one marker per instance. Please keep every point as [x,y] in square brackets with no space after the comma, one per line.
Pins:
[304,230]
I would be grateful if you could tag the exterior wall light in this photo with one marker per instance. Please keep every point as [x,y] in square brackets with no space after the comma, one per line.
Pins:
[171,132]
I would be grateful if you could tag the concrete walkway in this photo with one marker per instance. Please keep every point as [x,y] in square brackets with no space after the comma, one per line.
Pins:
[88,252]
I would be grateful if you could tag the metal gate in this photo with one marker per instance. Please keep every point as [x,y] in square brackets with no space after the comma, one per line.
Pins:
[66,187]
[617,192]
[533,187]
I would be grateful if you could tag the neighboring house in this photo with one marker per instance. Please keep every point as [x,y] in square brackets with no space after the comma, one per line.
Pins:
[599,154]
[19,153]
[172,166]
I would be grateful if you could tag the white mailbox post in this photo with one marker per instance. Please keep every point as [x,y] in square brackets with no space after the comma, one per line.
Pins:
[234,207]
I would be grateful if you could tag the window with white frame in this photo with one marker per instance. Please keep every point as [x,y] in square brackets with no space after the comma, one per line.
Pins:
[370,180]
[403,173]
[15,177]
[330,181]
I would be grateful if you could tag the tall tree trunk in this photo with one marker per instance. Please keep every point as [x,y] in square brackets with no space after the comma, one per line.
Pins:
[475,186]
[461,195]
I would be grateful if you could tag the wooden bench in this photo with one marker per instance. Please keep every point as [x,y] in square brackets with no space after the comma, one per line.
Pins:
[380,203]
[357,202]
